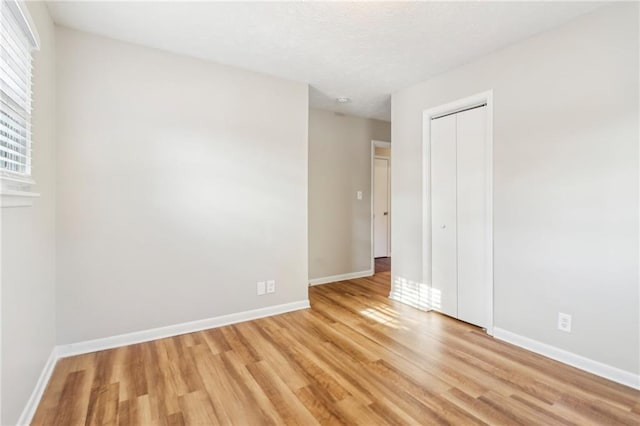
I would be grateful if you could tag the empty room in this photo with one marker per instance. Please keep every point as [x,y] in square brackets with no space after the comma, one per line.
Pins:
[319,213]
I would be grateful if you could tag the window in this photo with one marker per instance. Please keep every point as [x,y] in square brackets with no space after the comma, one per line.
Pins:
[17,41]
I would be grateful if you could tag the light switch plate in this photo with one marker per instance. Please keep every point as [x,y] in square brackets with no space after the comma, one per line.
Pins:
[271,286]
[261,288]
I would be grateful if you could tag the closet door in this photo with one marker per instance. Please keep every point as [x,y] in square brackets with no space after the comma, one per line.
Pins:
[471,209]
[443,215]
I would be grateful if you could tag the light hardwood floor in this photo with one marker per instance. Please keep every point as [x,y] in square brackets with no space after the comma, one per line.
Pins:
[355,357]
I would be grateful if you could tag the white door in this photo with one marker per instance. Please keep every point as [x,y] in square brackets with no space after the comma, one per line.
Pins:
[443,216]
[471,229]
[381,208]
[459,233]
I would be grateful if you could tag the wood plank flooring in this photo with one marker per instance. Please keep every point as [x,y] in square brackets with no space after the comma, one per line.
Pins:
[382,264]
[355,357]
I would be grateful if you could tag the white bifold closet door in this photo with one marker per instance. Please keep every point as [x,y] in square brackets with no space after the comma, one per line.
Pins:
[458,216]
[444,262]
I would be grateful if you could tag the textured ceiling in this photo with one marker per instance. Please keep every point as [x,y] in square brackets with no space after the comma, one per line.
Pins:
[364,51]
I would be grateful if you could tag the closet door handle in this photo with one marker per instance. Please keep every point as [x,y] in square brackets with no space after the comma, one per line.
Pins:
[443,226]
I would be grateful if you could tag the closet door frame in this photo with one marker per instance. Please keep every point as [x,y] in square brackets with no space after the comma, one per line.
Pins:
[449,108]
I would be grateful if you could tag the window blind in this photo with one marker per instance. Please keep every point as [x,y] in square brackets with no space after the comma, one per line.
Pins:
[15,93]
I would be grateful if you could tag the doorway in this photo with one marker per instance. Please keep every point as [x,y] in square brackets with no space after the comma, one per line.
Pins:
[380,205]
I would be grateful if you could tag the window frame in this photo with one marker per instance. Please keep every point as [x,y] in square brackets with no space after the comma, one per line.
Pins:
[17,189]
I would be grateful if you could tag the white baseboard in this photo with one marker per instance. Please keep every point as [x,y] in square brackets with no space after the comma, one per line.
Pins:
[62,351]
[38,391]
[177,329]
[595,367]
[341,277]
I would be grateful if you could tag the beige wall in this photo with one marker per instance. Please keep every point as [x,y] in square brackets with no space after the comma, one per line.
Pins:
[339,166]
[181,183]
[28,246]
[565,182]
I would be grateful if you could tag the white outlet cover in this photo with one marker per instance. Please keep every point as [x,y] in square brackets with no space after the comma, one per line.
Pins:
[564,322]
[359,195]
[271,286]
[261,288]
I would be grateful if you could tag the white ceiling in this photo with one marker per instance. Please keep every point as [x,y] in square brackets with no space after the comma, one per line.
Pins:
[364,51]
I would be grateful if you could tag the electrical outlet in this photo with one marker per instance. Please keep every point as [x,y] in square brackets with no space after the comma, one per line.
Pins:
[359,195]
[271,286]
[564,322]
[261,288]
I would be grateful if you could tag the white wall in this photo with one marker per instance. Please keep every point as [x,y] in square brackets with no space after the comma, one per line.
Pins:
[180,184]
[565,182]
[28,245]
[339,166]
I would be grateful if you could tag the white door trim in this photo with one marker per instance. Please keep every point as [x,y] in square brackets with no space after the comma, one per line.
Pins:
[461,104]
[379,144]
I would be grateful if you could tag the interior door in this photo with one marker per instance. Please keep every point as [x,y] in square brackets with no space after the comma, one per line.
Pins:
[472,229]
[381,207]
[443,215]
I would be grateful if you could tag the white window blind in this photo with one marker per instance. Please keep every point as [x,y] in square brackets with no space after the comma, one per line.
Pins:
[16,44]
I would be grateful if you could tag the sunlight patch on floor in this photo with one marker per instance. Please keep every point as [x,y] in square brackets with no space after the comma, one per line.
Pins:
[381,317]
